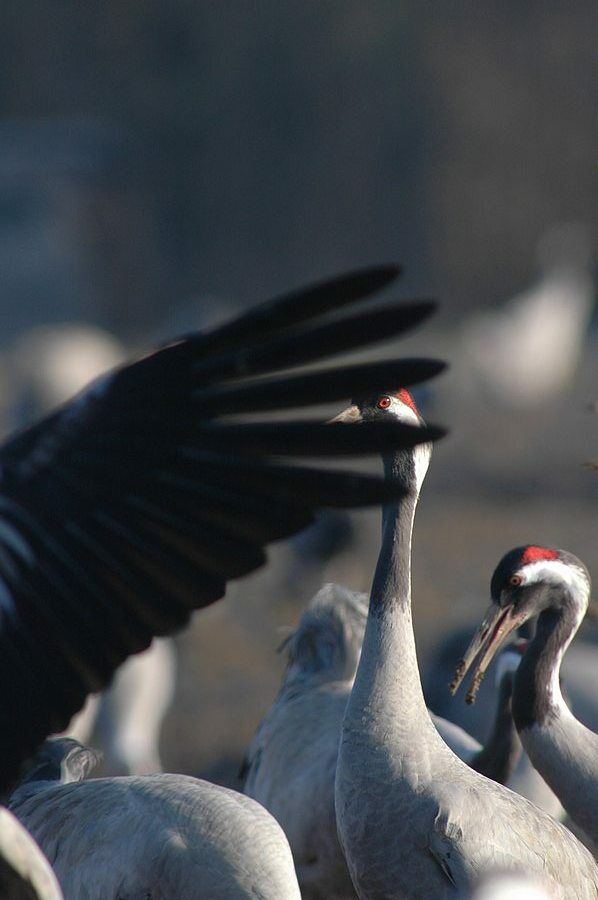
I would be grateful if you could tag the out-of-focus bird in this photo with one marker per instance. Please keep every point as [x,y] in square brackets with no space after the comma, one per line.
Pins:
[554,585]
[414,820]
[508,886]
[128,717]
[527,352]
[157,836]
[291,763]
[49,365]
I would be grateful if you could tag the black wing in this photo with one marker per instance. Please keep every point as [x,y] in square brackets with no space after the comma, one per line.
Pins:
[135,503]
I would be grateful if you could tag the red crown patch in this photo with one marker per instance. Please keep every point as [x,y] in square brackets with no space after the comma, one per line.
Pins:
[406,398]
[532,554]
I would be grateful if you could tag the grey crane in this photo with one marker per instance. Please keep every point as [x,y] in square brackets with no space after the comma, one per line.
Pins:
[291,762]
[414,820]
[525,780]
[135,503]
[555,586]
[160,835]
[128,716]
[527,352]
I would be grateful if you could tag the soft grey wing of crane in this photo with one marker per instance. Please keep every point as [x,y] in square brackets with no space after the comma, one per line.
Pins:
[162,836]
[291,761]
[414,821]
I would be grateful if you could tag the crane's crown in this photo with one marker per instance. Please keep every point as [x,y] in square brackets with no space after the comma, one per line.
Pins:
[398,402]
[534,564]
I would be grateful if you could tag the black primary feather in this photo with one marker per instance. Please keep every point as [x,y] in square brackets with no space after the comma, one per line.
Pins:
[135,503]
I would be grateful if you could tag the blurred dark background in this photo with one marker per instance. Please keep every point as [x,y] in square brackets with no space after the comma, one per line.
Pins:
[155,151]
[162,163]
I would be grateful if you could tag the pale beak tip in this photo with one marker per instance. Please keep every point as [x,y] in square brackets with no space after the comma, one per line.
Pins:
[474,687]
[458,676]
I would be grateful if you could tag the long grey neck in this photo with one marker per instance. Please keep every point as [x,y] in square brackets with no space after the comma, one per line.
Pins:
[387,697]
[392,577]
[537,696]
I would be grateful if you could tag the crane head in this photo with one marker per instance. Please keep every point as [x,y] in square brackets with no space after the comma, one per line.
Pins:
[397,404]
[528,581]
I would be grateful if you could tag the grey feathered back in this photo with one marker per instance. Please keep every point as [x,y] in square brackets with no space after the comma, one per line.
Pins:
[62,760]
[326,644]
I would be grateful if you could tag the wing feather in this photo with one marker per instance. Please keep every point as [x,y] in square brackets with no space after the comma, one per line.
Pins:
[134,504]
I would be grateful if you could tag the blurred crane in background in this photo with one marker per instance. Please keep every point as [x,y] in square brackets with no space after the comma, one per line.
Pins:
[526,352]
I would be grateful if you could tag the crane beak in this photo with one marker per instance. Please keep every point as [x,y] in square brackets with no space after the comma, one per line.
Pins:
[498,623]
[348,416]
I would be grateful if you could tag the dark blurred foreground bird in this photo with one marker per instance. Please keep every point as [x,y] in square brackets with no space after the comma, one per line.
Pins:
[414,820]
[555,586]
[136,502]
[158,836]
[291,762]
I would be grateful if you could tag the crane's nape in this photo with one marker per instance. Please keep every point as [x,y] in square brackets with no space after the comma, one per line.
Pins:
[144,498]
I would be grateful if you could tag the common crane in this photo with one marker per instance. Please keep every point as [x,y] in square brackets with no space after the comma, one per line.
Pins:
[414,820]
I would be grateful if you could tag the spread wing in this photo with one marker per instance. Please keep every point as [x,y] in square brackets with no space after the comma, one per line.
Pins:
[135,503]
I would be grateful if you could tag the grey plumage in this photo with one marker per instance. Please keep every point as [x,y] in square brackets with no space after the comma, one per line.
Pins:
[555,586]
[162,836]
[524,780]
[415,822]
[291,762]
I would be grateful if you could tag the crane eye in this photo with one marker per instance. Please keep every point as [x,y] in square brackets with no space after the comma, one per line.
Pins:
[383,402]
[515,580]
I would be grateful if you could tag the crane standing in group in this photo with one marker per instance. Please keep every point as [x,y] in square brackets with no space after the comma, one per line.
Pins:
[291,762]
[553,585]
[415,821]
